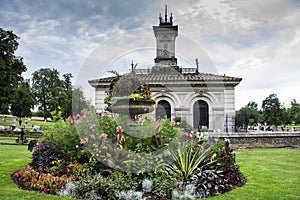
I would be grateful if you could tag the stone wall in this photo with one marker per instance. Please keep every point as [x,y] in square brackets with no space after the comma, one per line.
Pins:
[263,139]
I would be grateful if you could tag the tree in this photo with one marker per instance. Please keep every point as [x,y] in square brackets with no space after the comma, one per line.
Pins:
[248,115]
[67,104]
[11,68]
[23,101]
[294,112]
[48,90]
[273,110]
[79,102]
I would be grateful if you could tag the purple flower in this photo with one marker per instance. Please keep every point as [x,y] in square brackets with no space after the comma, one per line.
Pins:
[41,146]
[77,117]
[81,113]
[58,144]
[88,114]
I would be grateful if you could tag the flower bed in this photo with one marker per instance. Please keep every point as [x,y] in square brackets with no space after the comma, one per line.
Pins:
[104,161]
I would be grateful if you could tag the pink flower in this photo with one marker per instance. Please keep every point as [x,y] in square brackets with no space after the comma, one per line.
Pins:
[84,140]
[103,136]
[173,123]
[122,138]
[92,127]
[157,128]
[186,134]
[92,137]
[140,120]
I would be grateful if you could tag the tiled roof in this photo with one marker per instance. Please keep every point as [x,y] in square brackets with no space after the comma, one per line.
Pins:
[157,78]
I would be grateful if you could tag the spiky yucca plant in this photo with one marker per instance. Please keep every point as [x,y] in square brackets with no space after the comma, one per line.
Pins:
[187,158]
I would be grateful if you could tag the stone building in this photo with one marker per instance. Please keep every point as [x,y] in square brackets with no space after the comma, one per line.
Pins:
[206,101]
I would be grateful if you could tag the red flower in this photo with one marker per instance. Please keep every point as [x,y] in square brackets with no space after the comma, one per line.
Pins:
[119,129]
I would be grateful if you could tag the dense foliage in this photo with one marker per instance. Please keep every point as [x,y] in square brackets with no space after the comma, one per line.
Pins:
[23,102]
[248,115]
[272,110]
[11,68]
[272,113]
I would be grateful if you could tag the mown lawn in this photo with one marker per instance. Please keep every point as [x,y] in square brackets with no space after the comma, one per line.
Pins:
[11,158]
[270,173]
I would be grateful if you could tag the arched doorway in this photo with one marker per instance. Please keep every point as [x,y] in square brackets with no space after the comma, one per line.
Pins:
[163,110]
[200,114]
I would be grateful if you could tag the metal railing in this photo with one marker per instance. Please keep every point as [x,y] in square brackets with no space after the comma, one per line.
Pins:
[181,70]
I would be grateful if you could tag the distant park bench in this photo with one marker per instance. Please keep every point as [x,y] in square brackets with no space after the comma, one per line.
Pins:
[20,138]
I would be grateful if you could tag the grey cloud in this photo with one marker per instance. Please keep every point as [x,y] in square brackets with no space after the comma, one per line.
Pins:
[70,15]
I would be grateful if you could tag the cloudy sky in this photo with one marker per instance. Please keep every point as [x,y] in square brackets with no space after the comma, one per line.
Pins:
[256,40]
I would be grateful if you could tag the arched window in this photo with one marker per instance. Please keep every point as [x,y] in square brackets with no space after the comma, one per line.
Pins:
[163,110]
[200,114]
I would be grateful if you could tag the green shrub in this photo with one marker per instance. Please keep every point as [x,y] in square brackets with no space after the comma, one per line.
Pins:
[164,183]
[184,124]
[104,187]
[214,159]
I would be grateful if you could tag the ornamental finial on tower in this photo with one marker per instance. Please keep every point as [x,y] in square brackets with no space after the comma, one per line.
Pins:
[166,14]
[165,21]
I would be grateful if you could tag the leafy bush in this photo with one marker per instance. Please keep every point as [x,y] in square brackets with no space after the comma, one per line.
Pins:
[231,170]
[104,187]
[46,155]
[184,124]
[109,142]
[214,159]
[221,172]
[163,184]
[209,183]
[60,144]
